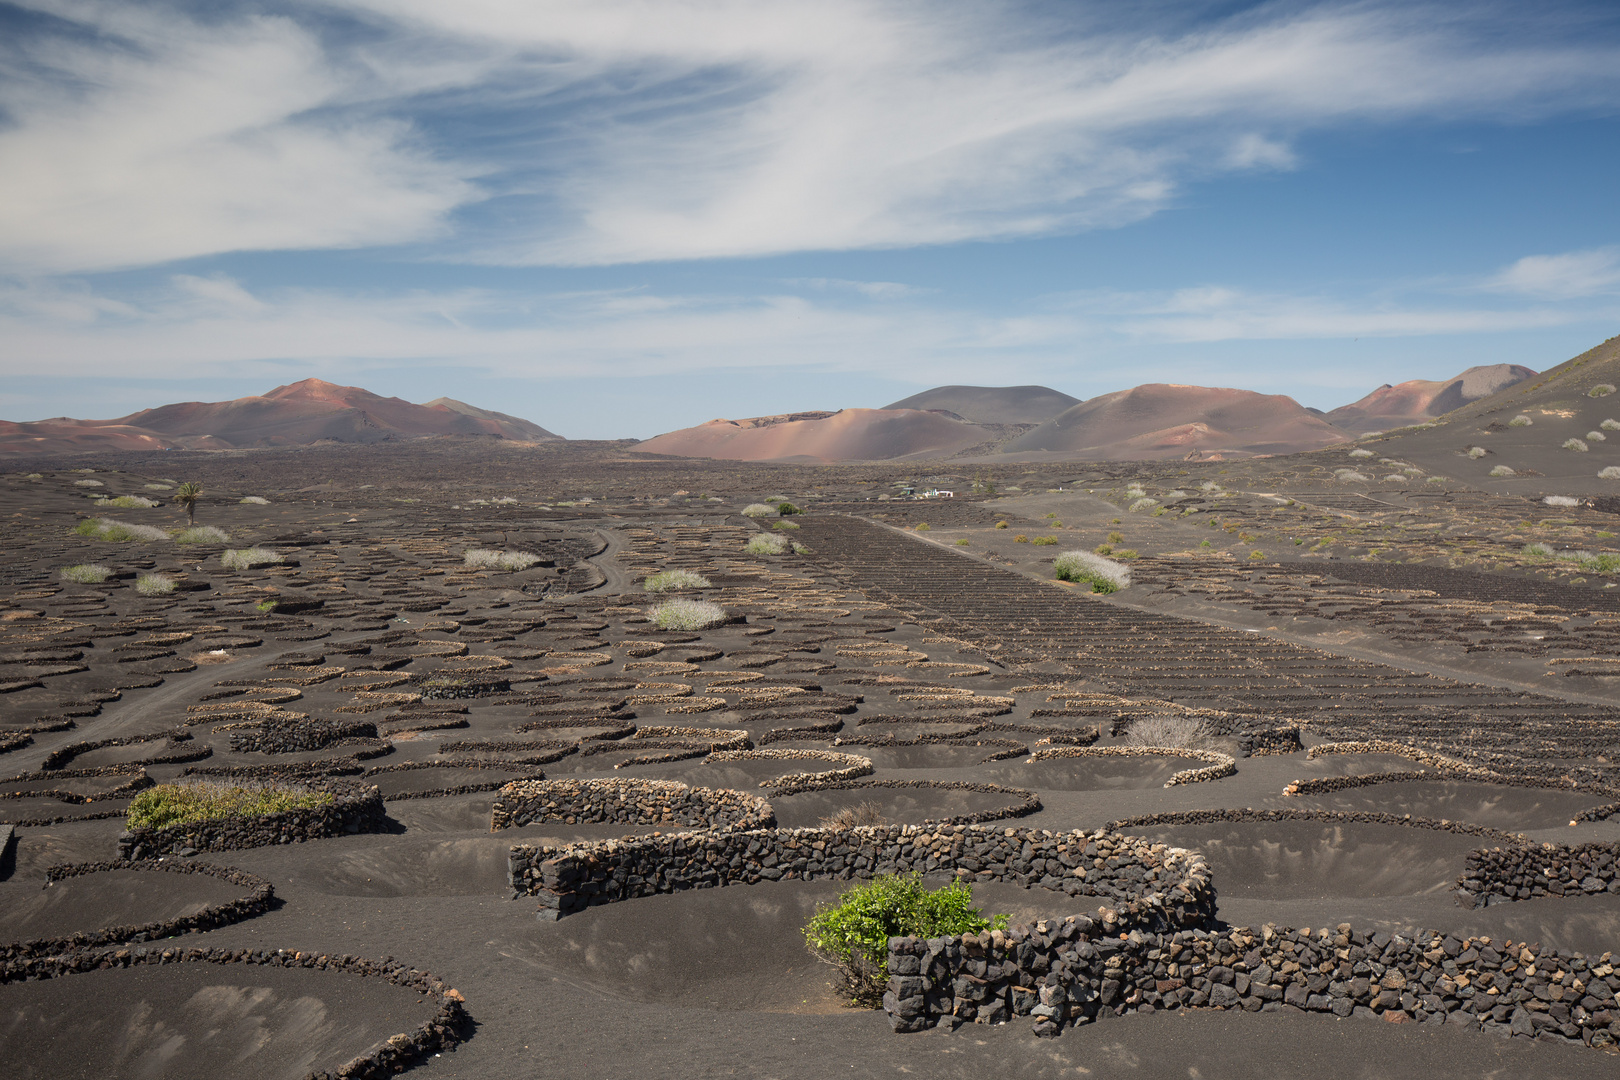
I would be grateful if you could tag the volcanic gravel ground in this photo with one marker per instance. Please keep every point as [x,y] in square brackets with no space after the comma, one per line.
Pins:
[384,648]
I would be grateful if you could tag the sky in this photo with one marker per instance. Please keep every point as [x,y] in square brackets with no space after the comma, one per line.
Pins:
[620,217]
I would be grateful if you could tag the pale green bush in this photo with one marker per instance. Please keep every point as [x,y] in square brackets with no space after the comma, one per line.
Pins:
[1477,452]
[758,510]
[202,534]
[767,544]
[1104,575]
[246,558]
[668,580]
[88,483]
[1520,421]
[86,573]
[118,532]
[687,615]
[1601,390]
[256,500]
[485,559]
[1503,470]
[154,584]
[1611,472]
[1361,452]
[1576,445]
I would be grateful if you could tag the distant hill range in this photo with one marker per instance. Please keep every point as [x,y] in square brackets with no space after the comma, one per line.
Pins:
[1420,400]
[1165,420]
[300,414]
[991,404]
[845,435]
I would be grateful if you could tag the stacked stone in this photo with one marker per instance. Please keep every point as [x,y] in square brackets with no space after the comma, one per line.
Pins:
[439,686]
[286,735]
[174,752]
[355,808]
[1498,876]
[629,802]
[1086,969]
[1149,884]
[1358,817]
[853,766]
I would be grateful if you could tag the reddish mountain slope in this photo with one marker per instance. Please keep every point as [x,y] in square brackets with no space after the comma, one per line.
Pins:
[311,410]
[1420,400]
[1161,420]
[846,435]
[295,415]
[992,404]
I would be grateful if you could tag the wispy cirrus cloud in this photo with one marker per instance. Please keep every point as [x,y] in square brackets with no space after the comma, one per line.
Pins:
[619,131]
[1569,276]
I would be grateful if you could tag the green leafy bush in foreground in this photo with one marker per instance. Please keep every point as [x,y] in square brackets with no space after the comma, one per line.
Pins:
[177,804]
[853,935]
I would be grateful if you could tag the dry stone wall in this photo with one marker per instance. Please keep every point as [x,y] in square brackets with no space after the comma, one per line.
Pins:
[1501,875]
[355,808]
[1080,970]
[1144,884]
[629,802]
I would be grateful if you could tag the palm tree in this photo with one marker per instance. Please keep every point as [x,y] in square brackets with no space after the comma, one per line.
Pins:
[187,495]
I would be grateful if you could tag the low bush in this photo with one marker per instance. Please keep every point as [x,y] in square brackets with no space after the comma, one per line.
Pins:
[1596,436]
[485,559]
[1361,452]
[784,509]
[1180,732]
[1520,421]
[1104,575]
[247,558]
[766,544]
[1539,551]
[784,525]
[154,584]
[1020,539]
[1001,524]
[1601,390]
[924,527]
[202,534]
[1143,504]
[1503,470]
[1561,500]
[128,502]
[179,804]
[1044,541]
[669,580]
[1350,476]
[850,817]
[964,542]
[1610,425]
[1477,452]
[1576,445]
[88,483]
[256,500]
[800,549]
[853,935]
[159,487]
[118,532]
[1610,472]
[687,615]
[86,573]
[758,510]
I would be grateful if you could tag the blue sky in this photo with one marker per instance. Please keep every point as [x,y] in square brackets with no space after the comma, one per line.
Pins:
[618,218]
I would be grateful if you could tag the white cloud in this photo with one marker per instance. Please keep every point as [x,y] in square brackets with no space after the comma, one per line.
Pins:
[167,138]
[1569,276]
[634,130]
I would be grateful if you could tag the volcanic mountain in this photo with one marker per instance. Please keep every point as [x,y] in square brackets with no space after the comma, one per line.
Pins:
[1418,401]
[845,435]
[295,415]
[991,404]
[1164,420]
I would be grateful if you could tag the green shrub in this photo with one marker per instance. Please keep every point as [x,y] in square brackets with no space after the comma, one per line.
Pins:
[484,559]
[1576,445]
[784,525]
[265,607]
[1520,421]
[853,935]
[1503,470]
[247,558]
[1601,390]
[687,615]
[964,542]
[924,527]
[1044,541]
[766,544]
[128,502]
[154,584]
[88,483]
[668,580]
[159,487]
[785,509]
[1001,524]
[179,804]
[202,534]
[86,573]
[1103,575]
[118,532]
[800,549]
[758,510]
[1020,539]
